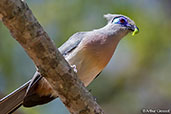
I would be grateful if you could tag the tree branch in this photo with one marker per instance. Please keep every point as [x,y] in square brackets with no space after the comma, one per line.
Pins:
[24,27]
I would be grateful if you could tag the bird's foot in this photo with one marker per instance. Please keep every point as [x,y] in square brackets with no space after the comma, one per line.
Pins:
[95,99]
[74,68]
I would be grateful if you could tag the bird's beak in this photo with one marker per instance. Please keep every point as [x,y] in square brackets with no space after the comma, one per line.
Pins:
[133,28]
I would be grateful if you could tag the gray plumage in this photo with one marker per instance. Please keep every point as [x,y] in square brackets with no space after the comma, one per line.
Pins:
[71,43]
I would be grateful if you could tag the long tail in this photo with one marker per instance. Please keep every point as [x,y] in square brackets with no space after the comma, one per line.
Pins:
[14,100]
[36,91]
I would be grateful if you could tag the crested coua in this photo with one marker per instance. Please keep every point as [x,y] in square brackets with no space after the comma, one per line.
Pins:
[88,52]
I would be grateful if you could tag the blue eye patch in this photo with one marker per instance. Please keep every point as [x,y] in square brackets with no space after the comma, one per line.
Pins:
[120,20]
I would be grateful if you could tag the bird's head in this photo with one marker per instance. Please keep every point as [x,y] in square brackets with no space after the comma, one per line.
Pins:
[121,24]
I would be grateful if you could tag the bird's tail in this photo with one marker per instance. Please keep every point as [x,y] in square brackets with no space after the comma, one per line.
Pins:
[14,100]
[36,91]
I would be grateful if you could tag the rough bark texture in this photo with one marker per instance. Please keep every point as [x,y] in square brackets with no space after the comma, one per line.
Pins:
[24,27]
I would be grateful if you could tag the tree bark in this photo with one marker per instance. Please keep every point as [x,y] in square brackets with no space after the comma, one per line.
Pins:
[24,27]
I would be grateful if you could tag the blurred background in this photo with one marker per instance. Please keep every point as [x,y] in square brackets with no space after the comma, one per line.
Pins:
[137,77]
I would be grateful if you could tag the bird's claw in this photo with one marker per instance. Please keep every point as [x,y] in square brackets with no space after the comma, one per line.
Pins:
[74,68]
[95,99]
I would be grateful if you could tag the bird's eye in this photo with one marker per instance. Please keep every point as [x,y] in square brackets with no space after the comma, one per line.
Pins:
[122,20]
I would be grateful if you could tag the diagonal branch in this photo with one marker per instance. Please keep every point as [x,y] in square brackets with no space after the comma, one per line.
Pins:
[24,27]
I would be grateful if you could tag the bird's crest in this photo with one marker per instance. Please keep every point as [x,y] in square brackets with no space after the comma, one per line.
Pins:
[108,17]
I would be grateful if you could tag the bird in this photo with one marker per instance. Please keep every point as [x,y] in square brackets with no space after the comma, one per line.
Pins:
[87,53]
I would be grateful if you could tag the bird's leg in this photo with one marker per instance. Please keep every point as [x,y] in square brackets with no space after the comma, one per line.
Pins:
[74,68]
[95,99]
